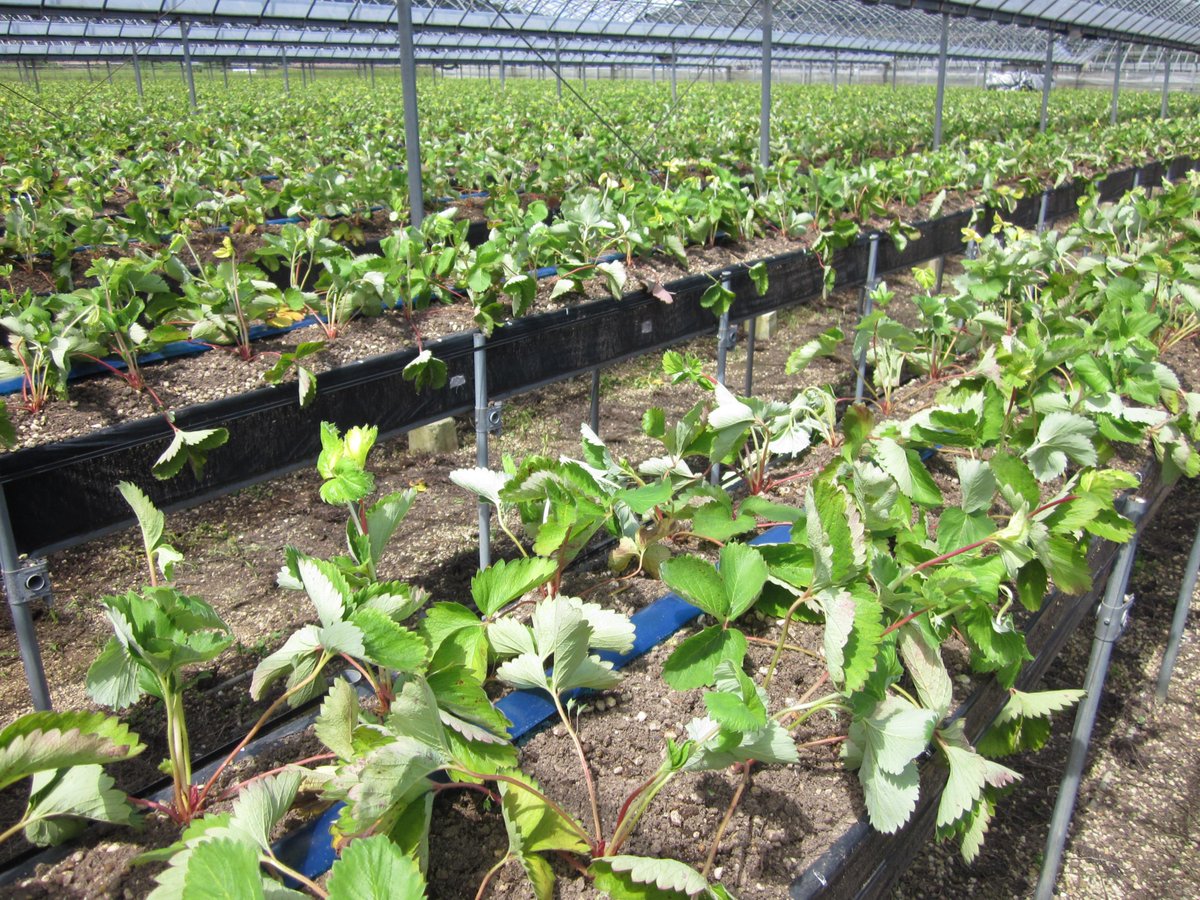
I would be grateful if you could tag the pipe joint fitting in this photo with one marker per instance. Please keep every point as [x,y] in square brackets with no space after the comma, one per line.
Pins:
[28,583]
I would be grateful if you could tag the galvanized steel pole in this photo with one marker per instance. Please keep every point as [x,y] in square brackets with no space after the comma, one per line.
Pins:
[1047,78]
[1166,88]
[764,121]
[674,79]
[1110,622]
[412,132]
[1116,90]
[187,64]
[287,85]
[481,445]
[137,74]
[1182,606]
[943,49]
[27,642]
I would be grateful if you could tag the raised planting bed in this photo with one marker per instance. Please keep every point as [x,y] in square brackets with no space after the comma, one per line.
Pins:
[942,557]
[61,494]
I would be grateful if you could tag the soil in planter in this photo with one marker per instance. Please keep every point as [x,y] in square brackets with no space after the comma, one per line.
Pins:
[234,546]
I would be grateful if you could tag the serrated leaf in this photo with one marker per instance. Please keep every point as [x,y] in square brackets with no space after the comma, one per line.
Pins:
[220,868]
[909,473]
[45,741]
[970,773]
[1016,481]
[326,587]
[694,662]
[853,631]
[699,583]
[387,644]
[150,519]
[484,483]
[188,448]
[261,804]
[502,582]
[426,371]
[534,826]
[1061,436]
[744,572]
[923,659]
[338,718]
[978,484]
[374,868]
[667,875]
[736,704]
[824,345]
[57,798]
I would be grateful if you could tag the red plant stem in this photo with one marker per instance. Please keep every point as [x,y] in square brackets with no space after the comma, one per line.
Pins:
[466,786]
[721,829]
[774,483]
[953,553]
[637,791]
[234,789]
[836,739]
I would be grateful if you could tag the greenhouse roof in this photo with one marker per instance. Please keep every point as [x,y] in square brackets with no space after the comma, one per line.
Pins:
[691,31]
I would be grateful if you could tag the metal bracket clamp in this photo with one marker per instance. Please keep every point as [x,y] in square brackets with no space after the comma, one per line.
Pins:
[731,337]
[489,419]
[29,582]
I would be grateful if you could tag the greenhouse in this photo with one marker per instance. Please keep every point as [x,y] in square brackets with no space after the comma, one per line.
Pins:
[599,448]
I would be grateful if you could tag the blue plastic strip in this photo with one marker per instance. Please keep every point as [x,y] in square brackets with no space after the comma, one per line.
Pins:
[310,852]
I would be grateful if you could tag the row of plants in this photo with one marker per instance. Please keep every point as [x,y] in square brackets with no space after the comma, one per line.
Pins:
[154,168]
[137,304]
[1041,363]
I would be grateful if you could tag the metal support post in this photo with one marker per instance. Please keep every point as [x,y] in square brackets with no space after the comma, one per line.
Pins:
[1116,89]
[594,413]
[943,50]
[88,64]
[137,75]
[503,72]
[1110,622]
[1162,114]
[412,133]
[1047,79]
[723,342]
[764,119]
[187,64]
[1045,207]
[18,584]
[751,334]
[674,78]
[835,70]
[558,78]
[895,67]
[371,68]
[1186,588]
[37,85]
[108,71]
[865,306]
[225,74]
[481,446]
[287,85]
